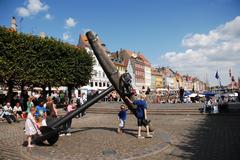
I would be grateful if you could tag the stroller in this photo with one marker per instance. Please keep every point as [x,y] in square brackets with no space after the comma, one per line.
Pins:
[7,115]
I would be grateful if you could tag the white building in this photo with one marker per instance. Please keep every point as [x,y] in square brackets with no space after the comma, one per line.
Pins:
[168,82]
[148,76]
[99,80]
[130,71]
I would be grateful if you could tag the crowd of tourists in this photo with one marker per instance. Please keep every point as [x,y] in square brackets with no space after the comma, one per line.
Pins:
[38,110]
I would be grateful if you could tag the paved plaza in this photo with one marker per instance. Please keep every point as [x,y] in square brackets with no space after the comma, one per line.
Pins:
[176,137]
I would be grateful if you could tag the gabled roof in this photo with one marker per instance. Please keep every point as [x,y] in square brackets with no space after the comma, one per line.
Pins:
[83,41]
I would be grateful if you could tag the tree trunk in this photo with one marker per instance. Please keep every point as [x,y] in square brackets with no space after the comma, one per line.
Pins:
[44,92]
[49,90]
[22,88]
[10,85]
[70,88]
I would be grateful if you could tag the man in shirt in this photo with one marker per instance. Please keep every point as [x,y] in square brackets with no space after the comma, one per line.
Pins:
[141,114]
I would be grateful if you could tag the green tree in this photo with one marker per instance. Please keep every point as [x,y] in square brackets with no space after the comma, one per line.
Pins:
[31,60]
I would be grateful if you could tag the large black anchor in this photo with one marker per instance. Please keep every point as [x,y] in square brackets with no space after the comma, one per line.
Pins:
[119,83]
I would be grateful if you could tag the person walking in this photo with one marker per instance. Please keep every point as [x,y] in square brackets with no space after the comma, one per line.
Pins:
[68,124]
[122,117]
[79,103]
[181,94]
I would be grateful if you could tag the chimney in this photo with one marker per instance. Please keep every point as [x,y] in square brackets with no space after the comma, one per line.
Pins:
[14,24]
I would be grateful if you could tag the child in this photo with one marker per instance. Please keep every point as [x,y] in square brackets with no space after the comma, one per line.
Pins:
[31,127]
[17,110]
[41,114]
[122,116]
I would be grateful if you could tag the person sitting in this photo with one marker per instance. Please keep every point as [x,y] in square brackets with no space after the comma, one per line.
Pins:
[9,112]
[17,110]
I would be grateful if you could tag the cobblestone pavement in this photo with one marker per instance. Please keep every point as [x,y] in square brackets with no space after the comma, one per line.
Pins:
[95,137]
[212,138]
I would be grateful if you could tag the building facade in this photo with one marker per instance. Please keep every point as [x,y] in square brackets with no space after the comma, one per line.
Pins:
[99,80]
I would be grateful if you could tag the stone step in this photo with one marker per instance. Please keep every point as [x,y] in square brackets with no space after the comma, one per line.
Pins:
[233,110]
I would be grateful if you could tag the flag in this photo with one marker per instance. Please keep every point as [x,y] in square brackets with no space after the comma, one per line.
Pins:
[216,75]
[230,73]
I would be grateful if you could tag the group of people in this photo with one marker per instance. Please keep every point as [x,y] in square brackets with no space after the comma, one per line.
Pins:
[38,116]
[45,112]
[11,114]
[210,105]
[141,114]
[39,111]
[35,114]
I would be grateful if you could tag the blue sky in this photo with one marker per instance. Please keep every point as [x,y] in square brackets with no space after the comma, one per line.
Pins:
[153,27]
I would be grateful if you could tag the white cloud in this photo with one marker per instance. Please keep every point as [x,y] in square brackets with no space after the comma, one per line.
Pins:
[48,16]
[23,12]
[228,32]
[66,36]
[70,22]
[206,53]
[32,7]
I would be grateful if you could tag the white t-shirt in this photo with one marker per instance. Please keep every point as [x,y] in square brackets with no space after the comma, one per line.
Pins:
[16,109]
[84,98]
[6,108]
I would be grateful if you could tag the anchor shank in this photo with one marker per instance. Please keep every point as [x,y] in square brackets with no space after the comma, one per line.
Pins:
[82,108]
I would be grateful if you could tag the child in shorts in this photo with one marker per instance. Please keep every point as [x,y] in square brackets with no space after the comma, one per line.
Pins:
[122,117]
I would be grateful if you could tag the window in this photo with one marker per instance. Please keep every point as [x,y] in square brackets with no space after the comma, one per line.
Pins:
[91,84]
[99,73]
[100,84]
[96,84]
[104,84]
[95,73]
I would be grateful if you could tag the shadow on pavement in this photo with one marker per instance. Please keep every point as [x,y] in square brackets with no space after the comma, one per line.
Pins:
[131,132]
[216,137]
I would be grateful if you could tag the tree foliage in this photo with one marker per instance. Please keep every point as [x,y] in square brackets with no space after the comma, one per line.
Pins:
[42,61]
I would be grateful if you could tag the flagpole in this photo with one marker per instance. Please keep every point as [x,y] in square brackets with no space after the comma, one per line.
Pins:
[231,78]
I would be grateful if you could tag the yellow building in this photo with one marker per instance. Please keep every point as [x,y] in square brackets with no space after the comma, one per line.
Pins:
[159,81]
[178,81]
[121,67]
